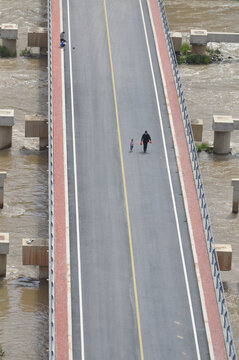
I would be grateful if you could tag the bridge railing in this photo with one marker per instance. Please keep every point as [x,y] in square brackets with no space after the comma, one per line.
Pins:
[51,192]
[219,289]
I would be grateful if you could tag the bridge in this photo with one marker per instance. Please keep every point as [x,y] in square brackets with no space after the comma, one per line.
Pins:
[133,268]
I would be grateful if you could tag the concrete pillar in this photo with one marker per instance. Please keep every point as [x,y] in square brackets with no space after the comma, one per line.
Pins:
[3,176]
[198,40]
[177,40]
[6,124]
[198,49]
[9,35]
[43,51]
[35,252]
[197,127]
[35,51]
[224,254]
[222,142]
[37,126]
[235,124]
[4,250]
[37,37]
[43,272]
[235,196]
[222,126]
[43,142]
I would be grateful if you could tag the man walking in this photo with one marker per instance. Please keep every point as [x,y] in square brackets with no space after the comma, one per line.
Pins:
[62,39]
[62,36]
[145,139]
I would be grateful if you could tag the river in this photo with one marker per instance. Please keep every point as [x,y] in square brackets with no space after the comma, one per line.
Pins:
[209,90]
[23,87]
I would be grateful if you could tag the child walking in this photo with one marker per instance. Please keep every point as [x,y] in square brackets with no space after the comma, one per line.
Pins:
[131,145]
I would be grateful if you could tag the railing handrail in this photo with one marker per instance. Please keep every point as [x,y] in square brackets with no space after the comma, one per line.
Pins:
[218,284]
[51,193]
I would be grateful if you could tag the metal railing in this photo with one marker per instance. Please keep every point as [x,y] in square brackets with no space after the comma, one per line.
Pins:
[51,193]
[212,254]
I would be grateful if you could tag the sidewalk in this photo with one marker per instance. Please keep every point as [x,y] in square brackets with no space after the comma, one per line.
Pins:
[61,314]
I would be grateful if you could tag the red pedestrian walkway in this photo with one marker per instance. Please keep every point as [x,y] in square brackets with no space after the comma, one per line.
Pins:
[61,314]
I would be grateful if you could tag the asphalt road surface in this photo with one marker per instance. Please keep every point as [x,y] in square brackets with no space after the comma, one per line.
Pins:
[134,288]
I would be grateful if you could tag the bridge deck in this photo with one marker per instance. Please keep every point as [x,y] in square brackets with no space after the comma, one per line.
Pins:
[134,291]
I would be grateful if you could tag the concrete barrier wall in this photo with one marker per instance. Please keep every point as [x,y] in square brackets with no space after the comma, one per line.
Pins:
[223,37]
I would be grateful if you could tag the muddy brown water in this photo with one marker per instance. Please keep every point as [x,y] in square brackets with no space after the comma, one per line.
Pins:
[209,90]
[23,87]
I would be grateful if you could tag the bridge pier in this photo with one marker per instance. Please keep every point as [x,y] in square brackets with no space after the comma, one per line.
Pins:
[235,198]
[198,40]
[3,176]
[4,250]
[38,38]
[222,126]
[197,127]
[9,34]
[177,40]
[35,252]
[37,126]
[224,255]
[6,124]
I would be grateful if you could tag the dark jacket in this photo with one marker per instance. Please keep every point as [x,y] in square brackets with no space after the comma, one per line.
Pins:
[62,36]
[146,138]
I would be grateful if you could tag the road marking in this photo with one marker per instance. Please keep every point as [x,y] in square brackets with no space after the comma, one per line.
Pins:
[68,269]
[171,188]
[76,188]
[124,186]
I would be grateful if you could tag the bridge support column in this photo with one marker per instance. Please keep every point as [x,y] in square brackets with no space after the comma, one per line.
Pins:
[35,252]
[38,38]
[198,40]
[37,126]
[43,272]
[4,250]
[6,124]
[3,176]
[224,254]
[9,33]
[177,40]
[222,126]
[235,198]
[197,127]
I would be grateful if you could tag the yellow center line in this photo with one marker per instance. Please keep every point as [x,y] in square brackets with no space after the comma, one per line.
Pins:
[125,191]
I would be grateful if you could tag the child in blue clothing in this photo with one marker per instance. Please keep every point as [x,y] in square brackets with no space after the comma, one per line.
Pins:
[63,43]
[131,145]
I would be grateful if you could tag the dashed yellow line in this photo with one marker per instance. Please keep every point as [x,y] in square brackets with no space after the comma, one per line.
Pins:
[125,190]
